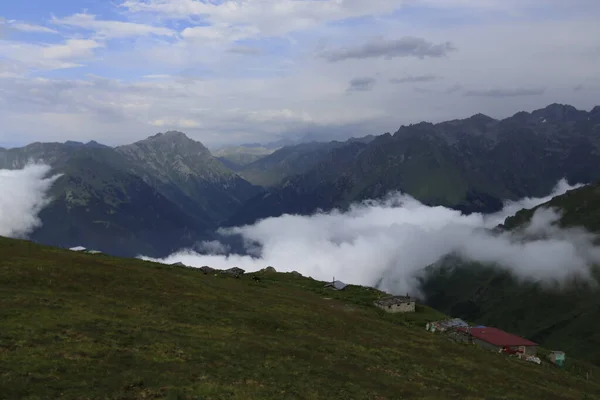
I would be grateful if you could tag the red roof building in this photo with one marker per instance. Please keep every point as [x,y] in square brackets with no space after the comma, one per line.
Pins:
[495,338]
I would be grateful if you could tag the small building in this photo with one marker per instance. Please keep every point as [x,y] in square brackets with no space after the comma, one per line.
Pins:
[557,357]
[498,340]
[235,272]
[446,325]
[396,304]
[206,269]
[178,264]
[82,249]
[336,285]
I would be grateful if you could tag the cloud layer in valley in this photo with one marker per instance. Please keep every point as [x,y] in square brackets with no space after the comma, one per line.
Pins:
[23,196]
[392,240]
[233,71]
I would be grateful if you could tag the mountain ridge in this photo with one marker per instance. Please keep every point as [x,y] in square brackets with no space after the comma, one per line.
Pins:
[472,164]
[182,182]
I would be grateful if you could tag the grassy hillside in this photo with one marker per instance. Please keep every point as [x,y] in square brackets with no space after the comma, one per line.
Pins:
[77,326]
[579,207]
[565,318]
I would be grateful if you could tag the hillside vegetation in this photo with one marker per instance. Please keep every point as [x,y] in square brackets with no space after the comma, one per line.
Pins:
[562,317]
[79,326]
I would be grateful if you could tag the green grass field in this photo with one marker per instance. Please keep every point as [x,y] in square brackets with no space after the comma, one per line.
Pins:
[78,326]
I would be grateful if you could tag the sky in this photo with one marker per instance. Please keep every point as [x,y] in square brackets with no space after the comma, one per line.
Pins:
[238,71]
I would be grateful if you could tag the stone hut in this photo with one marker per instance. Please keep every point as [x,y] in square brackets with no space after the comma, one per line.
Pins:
[206,269]
[235,272]
[396,304]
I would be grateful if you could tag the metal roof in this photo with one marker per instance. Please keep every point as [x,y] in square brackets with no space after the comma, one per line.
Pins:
[497,337]
[338,285]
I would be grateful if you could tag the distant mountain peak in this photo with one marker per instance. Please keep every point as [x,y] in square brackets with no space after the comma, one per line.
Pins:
[173,140]
[481,118]
[169,135]
[74,143]
[91,143]
[557,112]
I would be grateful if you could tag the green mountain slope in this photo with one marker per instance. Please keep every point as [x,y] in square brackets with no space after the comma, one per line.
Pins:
[469,164]
[563,317]
[292,160]
[77,326]
[101,207]
[242,155]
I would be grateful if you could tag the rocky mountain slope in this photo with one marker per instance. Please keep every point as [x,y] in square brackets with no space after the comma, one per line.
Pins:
[292,160]
[470,165]
[151,197]
[559,316]
[185,172]
[79,326]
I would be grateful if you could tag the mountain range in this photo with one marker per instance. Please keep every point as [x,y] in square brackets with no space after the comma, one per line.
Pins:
[471,165]
[168,191]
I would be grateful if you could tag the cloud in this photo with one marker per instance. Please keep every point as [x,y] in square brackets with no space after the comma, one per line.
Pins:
[111,29]
[517,92]
[454,88]
[362,84]
[407,46]
[176,123]
[23,196]
[30,28]
[264,18]
[415,79]
[389,242]
[244,50]
[512,207]
[213,247]
[49,56]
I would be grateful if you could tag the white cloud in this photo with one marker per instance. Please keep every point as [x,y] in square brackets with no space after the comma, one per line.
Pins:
[23,196]
[49,56]
[176,123]
[263,17]
[71,49]
[24,27]
[511,207]
[111,29]
[396,238]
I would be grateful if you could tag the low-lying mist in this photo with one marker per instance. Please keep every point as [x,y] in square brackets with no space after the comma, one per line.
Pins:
[23,194]
[388,243]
